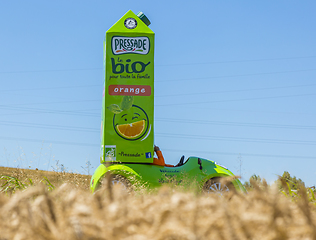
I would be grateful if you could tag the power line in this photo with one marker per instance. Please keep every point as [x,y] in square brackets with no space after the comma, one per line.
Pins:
[49,141]
[49,126]
[238,124]
[52,70]
[49,88]
[243,154]
[13,106]
[238,90]
[236,61]
[200,137]
[188,121]
[220,138]
[38,110]
[172,150]
[172,95]
[45,103]
[234,100]
[161,65]
[236,139]
[188,79]
[79,113]
[232,76]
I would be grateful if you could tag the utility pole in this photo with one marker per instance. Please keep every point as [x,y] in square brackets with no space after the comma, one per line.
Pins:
[240,164]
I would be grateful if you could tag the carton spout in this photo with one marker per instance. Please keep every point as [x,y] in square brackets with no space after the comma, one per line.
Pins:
[143,17]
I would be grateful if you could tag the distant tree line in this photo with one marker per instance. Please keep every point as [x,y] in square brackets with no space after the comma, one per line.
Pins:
[293,182]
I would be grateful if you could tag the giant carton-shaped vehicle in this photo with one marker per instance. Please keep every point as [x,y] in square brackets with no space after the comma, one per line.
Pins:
[127,129]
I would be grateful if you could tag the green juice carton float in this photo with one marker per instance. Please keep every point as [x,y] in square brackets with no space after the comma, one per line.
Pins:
[127,122]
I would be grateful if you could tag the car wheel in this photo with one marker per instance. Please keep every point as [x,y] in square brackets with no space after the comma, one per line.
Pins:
[217,186]
[116,181]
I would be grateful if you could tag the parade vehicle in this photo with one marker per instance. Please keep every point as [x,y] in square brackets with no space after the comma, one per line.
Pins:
[202,174]
[127,129]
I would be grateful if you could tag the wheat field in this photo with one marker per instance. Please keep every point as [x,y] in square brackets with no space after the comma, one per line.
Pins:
[71,212]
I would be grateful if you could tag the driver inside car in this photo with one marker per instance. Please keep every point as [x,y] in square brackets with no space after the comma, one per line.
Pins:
[160,160]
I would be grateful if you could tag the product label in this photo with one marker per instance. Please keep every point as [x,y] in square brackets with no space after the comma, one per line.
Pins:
[130,90]
[110,152]
[138,45]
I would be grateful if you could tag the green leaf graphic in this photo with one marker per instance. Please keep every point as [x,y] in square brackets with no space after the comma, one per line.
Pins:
[114,108]
[127,102]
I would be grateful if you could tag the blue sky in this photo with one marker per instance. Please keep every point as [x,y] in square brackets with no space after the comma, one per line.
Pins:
[234,83]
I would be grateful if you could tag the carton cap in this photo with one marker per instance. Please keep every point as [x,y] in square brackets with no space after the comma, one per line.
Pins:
[143,17]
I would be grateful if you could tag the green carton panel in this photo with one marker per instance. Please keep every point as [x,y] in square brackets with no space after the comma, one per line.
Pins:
[128,98]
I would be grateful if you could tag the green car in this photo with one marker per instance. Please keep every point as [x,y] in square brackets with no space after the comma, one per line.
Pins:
[203,174]
[127,119]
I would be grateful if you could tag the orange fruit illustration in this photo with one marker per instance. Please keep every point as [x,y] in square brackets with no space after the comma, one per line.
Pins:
[131,130]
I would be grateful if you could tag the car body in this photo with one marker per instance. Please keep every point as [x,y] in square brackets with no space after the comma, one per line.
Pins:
[196,172]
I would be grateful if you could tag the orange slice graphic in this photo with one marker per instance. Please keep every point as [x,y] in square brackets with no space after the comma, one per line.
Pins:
[131,130]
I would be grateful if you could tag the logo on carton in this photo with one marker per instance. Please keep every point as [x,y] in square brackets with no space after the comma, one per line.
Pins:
[110,152]
[135,67]
[130,23]
[130,121]
[131,125]
[138,45]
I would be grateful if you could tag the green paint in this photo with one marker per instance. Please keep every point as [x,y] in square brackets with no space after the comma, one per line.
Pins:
[128,100]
